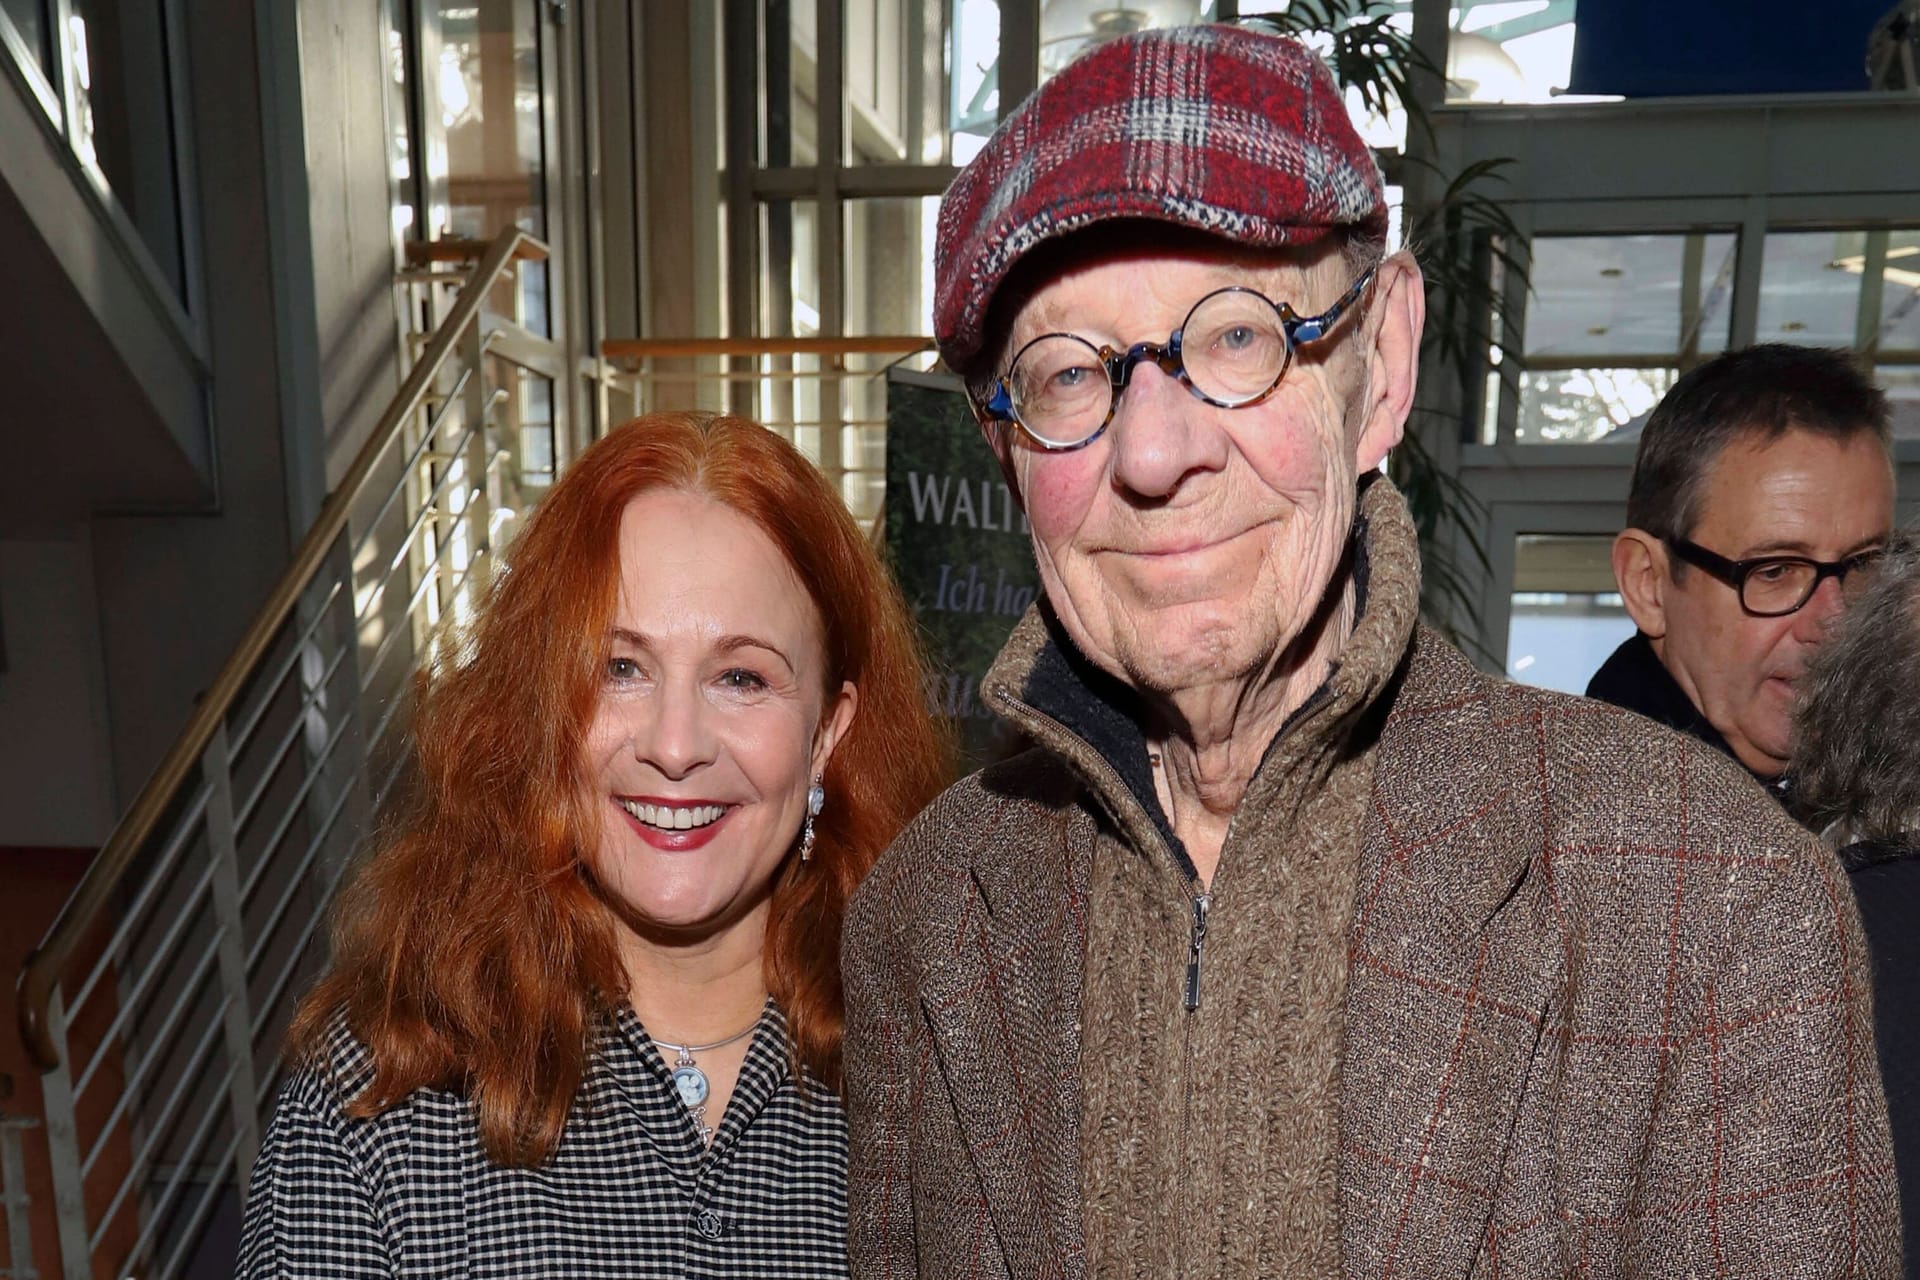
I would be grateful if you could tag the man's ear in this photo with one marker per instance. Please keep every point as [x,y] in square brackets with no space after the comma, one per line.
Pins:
[1641,568]
[1396,319]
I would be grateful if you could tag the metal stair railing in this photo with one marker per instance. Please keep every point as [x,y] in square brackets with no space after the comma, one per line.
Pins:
[155,1004]
[14,1199]
[826,395]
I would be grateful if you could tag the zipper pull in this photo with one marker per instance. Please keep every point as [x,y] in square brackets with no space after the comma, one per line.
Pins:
[1198,940]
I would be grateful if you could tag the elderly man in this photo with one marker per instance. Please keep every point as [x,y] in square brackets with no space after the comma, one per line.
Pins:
[1763,480]
[1297,946]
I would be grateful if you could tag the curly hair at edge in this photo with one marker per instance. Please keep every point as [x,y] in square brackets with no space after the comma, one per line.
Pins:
[1857,745]
[471,951]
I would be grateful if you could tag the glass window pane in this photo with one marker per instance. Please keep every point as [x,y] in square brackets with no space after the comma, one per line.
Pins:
[790,268]
[894,82]
[888,291]
[29,18]
[1810,287]
[1566,614]
[1902,385]
[974,107]
[789,72]
[1629,295]
[1500,50]
[1510,51]
[1579,406]
[1558,639]
[1900,295]
[789,392]
[1610,323]
[889,265]
[1069,28]
[122,93]
[488,85]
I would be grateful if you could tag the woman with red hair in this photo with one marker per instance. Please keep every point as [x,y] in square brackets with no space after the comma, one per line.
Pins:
[584,1013]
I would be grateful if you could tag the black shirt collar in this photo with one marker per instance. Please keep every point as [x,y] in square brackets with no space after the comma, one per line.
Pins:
[1635,678]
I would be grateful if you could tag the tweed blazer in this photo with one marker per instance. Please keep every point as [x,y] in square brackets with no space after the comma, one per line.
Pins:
[1607,1011]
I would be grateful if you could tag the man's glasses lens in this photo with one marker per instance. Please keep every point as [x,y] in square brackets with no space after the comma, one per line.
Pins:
[1775,587]
[1060,389]
[1233,349]
[1234,346]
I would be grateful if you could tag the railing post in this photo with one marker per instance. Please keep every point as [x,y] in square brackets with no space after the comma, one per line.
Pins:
[63,1151]
[215,767]
[349,768]
[478,510]
[13,1189]
[341,793]
[419,481]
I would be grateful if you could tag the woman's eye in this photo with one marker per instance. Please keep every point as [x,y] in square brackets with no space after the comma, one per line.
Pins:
[622,669]
[741,679]
[1238,338]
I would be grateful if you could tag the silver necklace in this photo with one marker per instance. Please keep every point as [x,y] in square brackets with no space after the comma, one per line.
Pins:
[690,1082]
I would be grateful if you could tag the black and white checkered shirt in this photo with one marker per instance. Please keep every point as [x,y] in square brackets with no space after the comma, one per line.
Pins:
[630,1191]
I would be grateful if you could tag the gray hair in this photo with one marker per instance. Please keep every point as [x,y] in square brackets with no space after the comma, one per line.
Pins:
[1856,751]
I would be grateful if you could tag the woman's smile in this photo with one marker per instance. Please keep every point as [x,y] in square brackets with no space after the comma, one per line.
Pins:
[674,826]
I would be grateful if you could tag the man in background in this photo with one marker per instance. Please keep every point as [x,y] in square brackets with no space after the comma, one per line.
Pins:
[1763,482]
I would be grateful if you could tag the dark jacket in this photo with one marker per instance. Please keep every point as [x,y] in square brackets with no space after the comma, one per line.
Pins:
[1633,677]
[1886,885]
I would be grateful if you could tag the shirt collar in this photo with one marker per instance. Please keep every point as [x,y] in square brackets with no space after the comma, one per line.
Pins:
[638,1070]
[1634,678]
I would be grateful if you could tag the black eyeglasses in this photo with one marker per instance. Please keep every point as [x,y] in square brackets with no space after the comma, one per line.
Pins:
[1231,351]
[1774,586]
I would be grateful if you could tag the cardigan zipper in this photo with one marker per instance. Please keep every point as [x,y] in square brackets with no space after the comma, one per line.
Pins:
[1202,900]
[1196,946]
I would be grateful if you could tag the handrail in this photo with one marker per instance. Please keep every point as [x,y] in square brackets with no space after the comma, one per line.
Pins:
[457,249]
[883,344]
[40,975]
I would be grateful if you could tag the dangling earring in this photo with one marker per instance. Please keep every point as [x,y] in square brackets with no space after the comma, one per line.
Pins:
[816,801]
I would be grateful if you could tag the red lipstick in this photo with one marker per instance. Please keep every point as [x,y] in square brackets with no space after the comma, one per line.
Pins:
[673,841]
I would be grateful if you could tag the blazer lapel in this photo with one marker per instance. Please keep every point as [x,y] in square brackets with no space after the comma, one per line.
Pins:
[1004,1006]
[1454,960]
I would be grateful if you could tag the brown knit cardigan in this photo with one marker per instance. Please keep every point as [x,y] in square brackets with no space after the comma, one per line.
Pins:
[1601,1009]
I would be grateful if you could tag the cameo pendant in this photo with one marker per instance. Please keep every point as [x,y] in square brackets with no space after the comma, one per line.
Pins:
[690,1082]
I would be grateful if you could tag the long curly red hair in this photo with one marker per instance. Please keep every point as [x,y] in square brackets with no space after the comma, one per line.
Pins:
[470,952]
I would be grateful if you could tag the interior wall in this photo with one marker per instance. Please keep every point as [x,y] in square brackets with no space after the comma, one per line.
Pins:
[343,70]
[175,591]
[301,323]
[56,786]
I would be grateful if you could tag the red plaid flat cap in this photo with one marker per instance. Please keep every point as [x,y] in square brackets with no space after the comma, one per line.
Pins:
[1219,128]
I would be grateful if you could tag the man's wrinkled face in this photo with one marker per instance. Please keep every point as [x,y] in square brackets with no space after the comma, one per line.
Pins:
[1801,494]
[1190,544]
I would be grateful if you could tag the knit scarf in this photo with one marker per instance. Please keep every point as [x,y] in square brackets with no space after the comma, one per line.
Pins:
[1209,1137]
